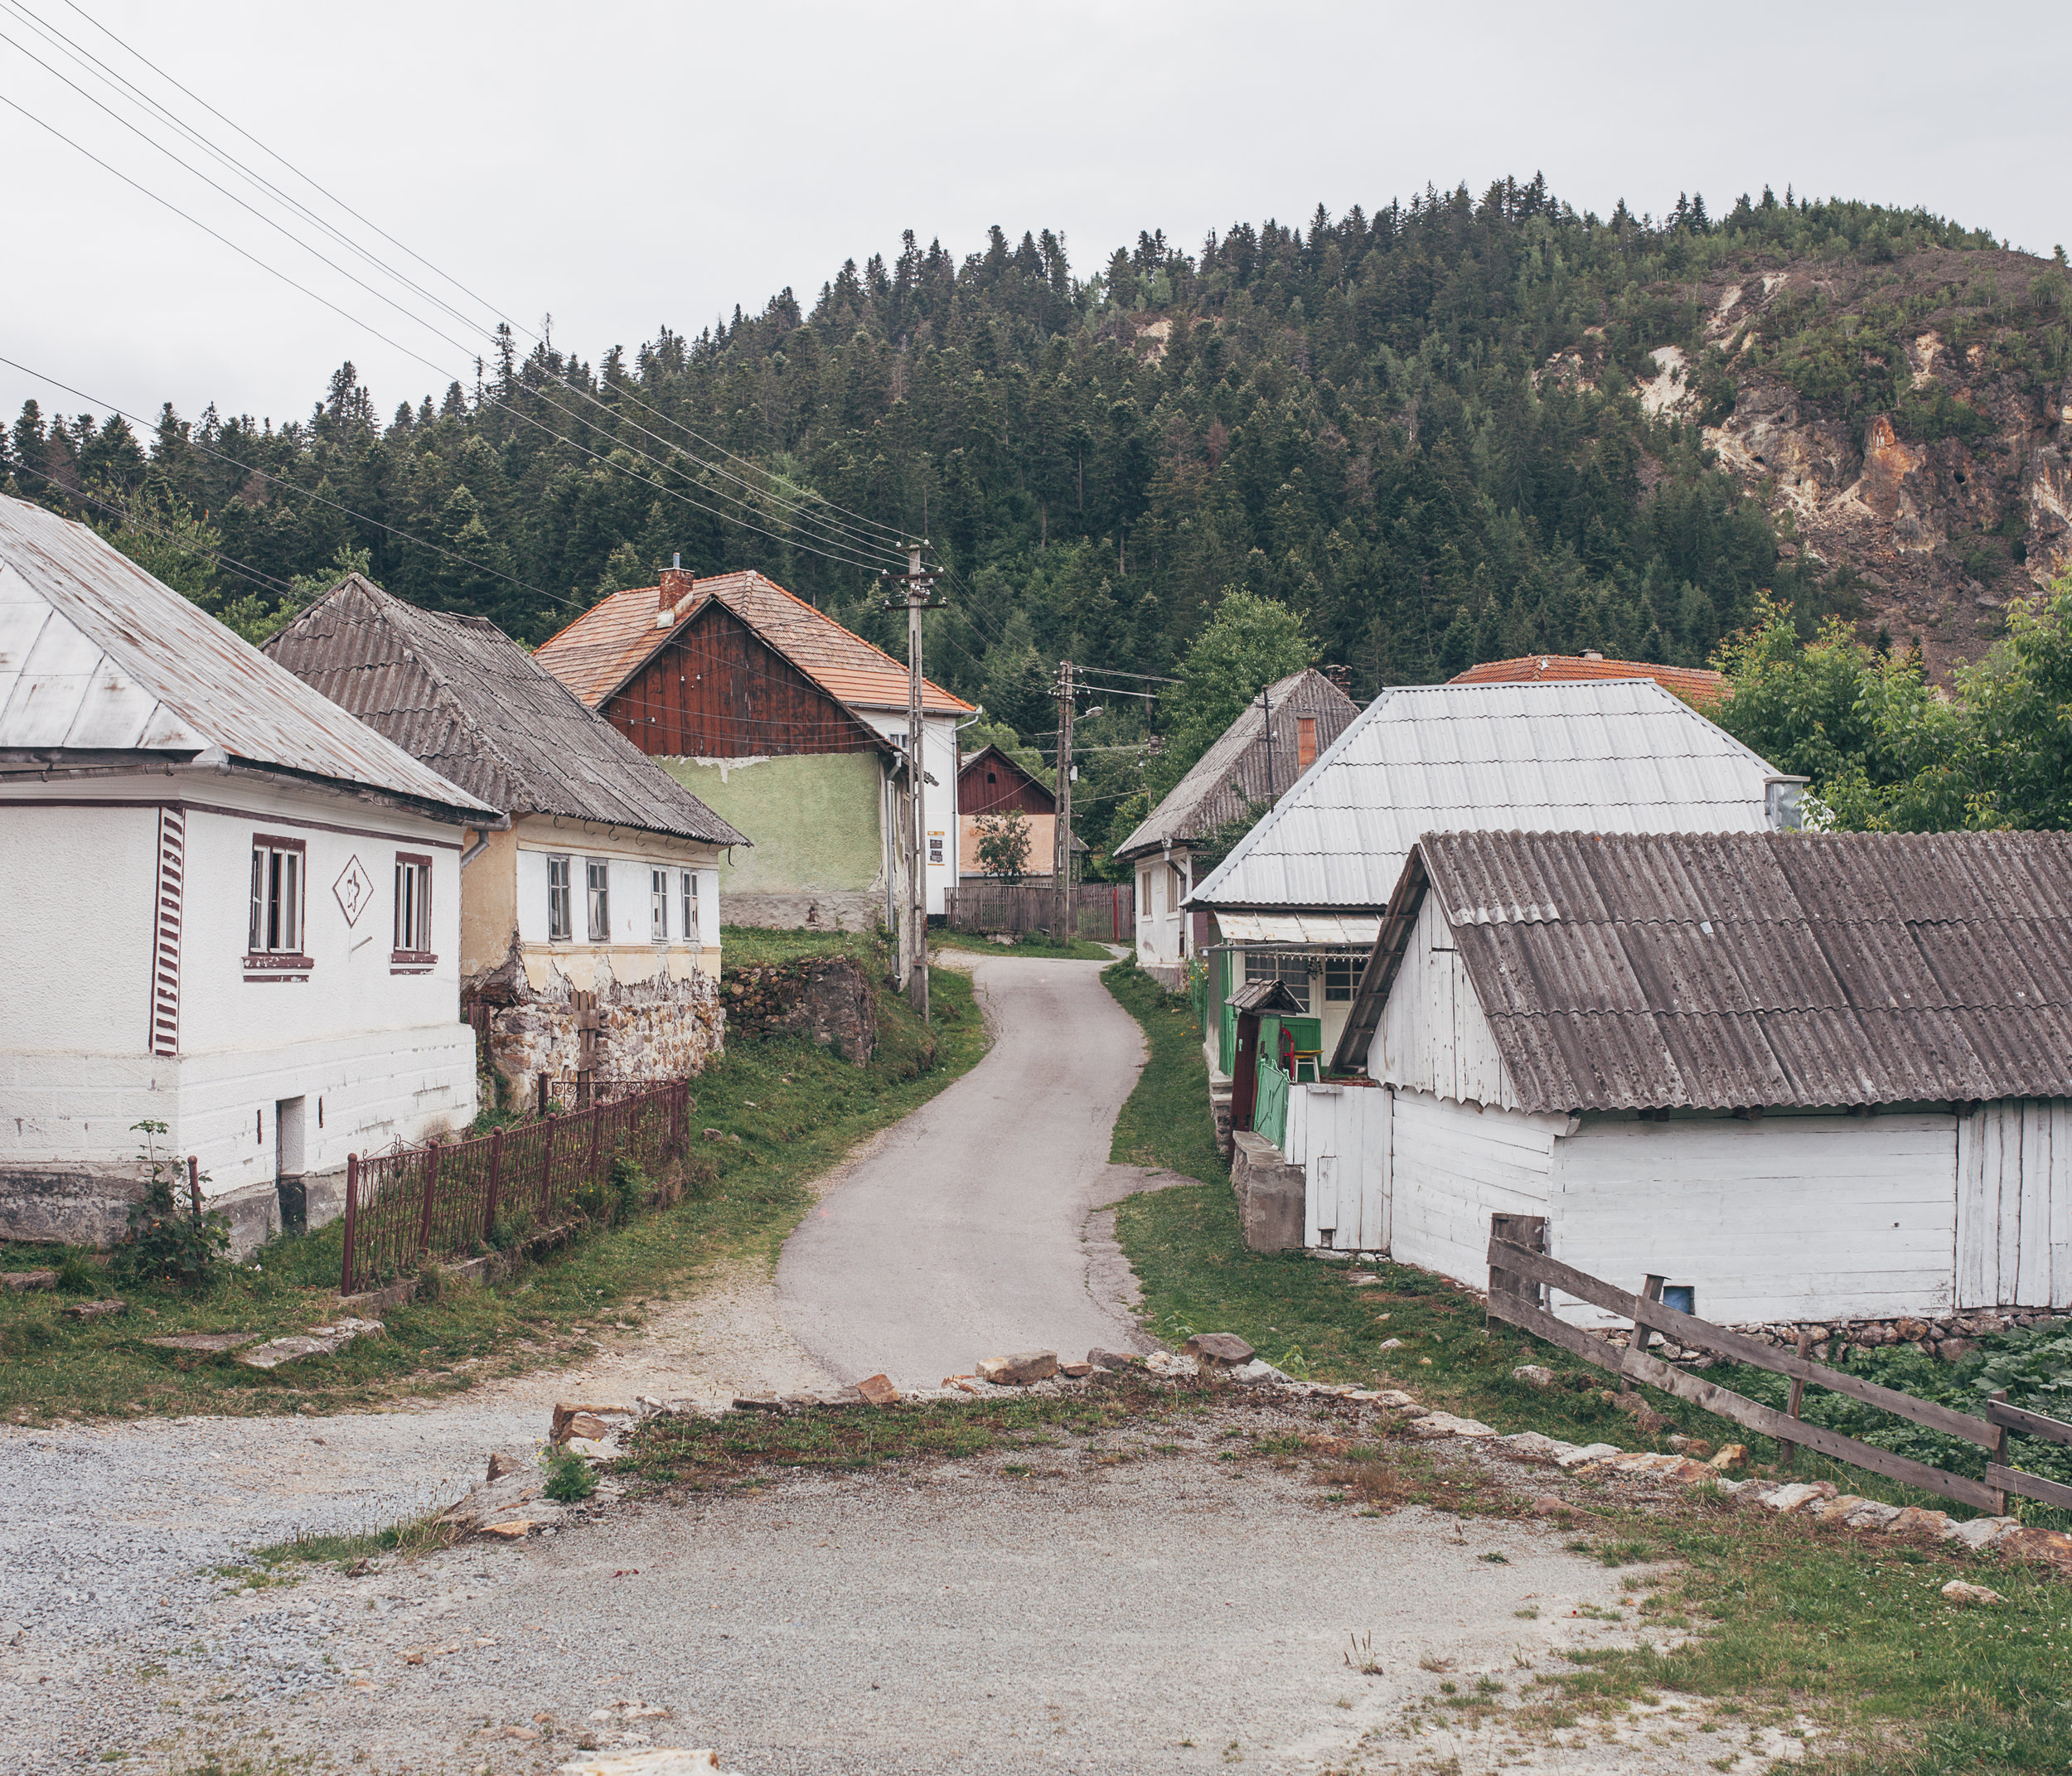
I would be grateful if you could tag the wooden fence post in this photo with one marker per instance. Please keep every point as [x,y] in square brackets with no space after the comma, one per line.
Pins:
[2000,1455]
[194,1184]
[1528,1231]
[496,1178]
[1643,1336]
[352,1219]
[1788,1452]
[431,1184]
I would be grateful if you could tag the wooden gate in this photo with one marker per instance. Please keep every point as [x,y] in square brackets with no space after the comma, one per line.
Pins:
[1342,1136]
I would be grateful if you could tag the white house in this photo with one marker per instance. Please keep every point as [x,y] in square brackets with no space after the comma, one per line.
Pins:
[1299,898]
[1256,761]
[590,926]
[1803,1076]
[236,910]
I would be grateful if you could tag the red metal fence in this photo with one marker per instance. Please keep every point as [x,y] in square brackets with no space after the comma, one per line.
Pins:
[445,1201]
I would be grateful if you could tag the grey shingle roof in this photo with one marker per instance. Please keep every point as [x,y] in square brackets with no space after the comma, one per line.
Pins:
[460,695]
[1731,970]
[97,656]
[1612,756]
[1233,774]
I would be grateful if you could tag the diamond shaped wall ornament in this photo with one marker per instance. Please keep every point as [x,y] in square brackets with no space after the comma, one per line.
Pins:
[354,889]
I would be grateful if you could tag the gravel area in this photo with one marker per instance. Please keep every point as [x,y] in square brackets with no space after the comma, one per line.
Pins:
[1089,1614]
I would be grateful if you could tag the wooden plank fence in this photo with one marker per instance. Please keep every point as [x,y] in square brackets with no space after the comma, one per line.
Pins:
[1519,1271]
[1104,911]
[444,1201]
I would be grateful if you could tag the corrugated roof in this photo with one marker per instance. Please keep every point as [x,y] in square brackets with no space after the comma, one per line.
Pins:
[603,647]
[96,655]
[1611,756]
[457,694]
[1233,775]
[1693,683]
[1732,970]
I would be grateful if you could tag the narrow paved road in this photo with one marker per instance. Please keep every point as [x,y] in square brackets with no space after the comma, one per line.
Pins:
[961,1234]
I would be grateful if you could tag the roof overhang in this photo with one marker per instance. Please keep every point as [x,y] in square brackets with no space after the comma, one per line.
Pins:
[1337,930]
[1267,998]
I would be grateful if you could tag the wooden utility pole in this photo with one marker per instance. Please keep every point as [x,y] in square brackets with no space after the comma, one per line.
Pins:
[916,595]
[1060,835]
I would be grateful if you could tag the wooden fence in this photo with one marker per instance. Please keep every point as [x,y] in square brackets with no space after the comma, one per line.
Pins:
[1519,1270]
[444,1201]
[1104,911]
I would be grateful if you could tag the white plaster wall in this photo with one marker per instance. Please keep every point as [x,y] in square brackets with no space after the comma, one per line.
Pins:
[1787,1218]
[630,858]
[1159,919]
[78,886]
[939,759]
[349,989]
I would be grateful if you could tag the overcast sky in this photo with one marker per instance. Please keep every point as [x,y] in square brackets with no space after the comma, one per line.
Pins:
[621,166]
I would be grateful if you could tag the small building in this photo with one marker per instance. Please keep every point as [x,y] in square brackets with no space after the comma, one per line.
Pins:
[1300,896]
[1697,685]
[1255,762]
[989,782]
[1803,1076]
[787,726]
[235,909]
[589,938]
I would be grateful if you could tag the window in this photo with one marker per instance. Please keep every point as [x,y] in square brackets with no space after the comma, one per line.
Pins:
[596,876]
[276,896]
[413,908]
[1292,971]
[690,906]
[560,926]
[1341,976]
[658,905]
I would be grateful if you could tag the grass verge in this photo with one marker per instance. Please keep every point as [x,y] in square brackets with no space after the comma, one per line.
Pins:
[796,1108]
[1029,943]
[1165,1121]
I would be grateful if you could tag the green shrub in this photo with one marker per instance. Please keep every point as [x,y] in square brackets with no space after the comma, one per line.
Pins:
[167,1241]
[569,1478]
[629,1188]
[78,1274]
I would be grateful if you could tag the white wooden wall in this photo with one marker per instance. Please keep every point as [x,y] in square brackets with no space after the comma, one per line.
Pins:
[1786,1219]
[1454,1166]
[2014,1204]
[1433,1037]
[1340,1136]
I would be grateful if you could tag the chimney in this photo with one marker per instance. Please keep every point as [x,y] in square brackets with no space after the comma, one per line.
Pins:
[675,588]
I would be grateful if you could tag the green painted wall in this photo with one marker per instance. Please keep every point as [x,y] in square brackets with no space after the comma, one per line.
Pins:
[813,818]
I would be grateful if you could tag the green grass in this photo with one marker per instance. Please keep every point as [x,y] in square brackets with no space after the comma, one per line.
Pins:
[1030,943]
[797,1108]
[1165,1120]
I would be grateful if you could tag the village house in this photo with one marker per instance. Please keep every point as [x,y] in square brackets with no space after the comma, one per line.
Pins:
[991,783]
[236,909]
[1801,1077]
[1697,685]
[1257,760]
[789,727]
[1299,898]
[589,934]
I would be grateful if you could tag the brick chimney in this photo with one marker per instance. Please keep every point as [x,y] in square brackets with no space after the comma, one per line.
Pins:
[676,587]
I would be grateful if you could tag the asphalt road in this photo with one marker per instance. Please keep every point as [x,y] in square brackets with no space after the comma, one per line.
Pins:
[961,1233]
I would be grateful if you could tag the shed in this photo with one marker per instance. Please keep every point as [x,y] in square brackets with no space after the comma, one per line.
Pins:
[1806,1076]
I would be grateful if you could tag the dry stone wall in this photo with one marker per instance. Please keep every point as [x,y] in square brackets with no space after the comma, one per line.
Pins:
[658,1028]
[825,999]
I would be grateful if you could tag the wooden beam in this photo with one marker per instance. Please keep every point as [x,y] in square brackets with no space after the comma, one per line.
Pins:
[2029,1424]
[1729,1405]
[2030,1485]
[1686,1328]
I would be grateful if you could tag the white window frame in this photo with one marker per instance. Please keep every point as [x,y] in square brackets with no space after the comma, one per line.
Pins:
[691,933]
[560,908]
[1351,966]
[280,896]
[412,906]
[658,905]
[1292,971]
[596,899]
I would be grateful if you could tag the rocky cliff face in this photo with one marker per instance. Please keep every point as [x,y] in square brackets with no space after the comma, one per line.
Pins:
[1909,426]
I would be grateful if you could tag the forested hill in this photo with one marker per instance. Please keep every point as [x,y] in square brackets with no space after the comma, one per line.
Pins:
[1448,430]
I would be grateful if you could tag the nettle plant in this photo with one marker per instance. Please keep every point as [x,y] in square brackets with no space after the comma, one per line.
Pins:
[169,1241]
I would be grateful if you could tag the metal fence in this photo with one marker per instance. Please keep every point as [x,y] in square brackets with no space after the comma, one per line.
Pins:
[445,1201]
[1106,912]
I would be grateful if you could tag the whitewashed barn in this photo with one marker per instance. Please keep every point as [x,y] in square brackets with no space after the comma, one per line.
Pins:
[233,909]
[1802,1076]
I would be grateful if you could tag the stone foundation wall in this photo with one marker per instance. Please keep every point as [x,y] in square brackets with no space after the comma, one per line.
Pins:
[1270,1194]
[658,1029]
[826,999]
[1948,1336]
[835,910]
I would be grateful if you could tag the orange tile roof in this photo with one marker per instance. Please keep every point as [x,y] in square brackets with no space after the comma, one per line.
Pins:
[603,647]
[1693,683]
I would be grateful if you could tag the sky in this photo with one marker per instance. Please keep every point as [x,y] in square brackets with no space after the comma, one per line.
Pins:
[620,167]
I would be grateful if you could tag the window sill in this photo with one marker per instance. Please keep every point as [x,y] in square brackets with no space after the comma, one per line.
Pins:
[277,967]
[412,961]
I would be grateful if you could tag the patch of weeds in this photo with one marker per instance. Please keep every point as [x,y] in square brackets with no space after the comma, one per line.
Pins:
[1360,1655]
[1389,1476]
[272,1564]
[570,1479]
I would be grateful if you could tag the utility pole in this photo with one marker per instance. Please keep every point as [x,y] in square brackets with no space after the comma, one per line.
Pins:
[1061,836]
[916,594]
